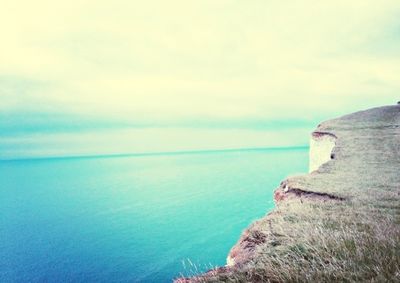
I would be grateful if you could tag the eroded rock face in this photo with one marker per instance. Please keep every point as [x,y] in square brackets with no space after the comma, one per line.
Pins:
[251,238]
[321,146]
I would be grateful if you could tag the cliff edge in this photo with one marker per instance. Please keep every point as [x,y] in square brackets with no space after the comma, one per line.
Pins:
[340,222]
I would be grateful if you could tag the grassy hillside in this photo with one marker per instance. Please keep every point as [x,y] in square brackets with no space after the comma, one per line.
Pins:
[340,223]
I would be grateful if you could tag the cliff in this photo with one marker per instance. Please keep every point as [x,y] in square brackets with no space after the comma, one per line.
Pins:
[340,222]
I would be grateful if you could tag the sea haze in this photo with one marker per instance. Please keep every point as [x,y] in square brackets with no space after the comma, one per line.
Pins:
[134,218]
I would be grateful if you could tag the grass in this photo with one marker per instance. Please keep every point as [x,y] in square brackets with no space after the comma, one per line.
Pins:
[311,238]
[345,245]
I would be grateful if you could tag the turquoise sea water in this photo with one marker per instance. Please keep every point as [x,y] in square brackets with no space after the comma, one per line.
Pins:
[132,219]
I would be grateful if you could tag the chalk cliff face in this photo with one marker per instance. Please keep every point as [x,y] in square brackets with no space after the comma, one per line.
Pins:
[338,223]
[321,146]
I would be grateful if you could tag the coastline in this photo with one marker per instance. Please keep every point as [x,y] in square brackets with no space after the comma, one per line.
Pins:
[340,221]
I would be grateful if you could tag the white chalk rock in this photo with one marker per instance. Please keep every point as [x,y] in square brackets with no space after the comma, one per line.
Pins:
[321,146]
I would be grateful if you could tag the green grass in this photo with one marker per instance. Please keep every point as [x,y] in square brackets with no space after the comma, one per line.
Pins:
[322,242]
[354,238]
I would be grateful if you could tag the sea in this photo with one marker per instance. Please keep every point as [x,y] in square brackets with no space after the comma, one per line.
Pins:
[133,218]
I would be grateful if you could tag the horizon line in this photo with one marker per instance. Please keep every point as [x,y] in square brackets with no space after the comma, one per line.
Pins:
[181,152]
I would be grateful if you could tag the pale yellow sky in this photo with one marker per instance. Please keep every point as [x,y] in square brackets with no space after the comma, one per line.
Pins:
[196,63]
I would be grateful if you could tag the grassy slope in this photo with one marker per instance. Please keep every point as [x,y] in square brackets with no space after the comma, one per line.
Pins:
[311,238]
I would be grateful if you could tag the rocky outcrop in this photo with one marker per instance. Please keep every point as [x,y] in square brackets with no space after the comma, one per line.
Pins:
[321,146]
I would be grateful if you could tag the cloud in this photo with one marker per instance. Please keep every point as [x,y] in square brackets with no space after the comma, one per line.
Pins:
[196,63]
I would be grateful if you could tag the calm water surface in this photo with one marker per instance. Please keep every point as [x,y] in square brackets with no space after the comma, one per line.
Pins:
[132,219]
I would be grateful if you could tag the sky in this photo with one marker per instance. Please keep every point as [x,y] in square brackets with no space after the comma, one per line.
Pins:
[103,77]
